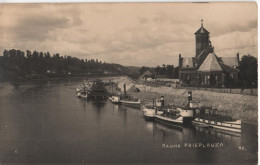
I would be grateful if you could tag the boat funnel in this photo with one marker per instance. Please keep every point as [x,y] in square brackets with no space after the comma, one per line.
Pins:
[162,101]
[124,89]
[189,96]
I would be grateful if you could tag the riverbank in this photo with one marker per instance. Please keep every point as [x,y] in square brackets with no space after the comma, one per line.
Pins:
[238,106]
[59,77]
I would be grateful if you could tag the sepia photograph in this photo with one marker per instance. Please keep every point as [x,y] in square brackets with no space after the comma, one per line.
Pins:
[129,83]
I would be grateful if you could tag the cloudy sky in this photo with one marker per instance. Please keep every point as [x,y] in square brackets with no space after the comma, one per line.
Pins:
[133,34]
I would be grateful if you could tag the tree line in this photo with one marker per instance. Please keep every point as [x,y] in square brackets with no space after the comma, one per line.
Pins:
[17,64]
[248,75]
[168,71]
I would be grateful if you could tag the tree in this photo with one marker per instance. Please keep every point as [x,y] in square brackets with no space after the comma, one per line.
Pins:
[143,69]
[248,71]
[169,69]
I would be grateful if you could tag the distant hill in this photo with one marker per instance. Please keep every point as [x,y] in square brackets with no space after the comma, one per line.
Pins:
[133,69]
[16,64]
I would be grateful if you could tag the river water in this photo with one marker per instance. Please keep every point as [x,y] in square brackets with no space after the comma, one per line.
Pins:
[43,122]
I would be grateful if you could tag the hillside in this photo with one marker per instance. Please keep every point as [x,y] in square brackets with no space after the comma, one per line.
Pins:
[133,69]
[16,64]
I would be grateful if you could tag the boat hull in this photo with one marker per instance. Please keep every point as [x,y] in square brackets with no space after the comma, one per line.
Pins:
[178,122]
[149,118]
[115,102]
[225,125]
[150,113]
[132,104]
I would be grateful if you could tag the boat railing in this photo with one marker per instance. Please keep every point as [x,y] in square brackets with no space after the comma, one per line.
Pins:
[215,117]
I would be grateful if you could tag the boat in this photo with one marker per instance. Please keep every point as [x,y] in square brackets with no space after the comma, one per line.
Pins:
[84,96]
[175,116]
[207,117]
[84,86]
[149,112]
[78,90]
[135,103]
[84,90]
[96,90]
[127,101]
[115,99]
[169,115]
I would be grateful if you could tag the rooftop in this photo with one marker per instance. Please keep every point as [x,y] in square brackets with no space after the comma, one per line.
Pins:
[210,64]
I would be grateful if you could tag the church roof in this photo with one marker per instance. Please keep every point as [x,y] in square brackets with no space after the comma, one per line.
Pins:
[229,61]
[202,30]
[228,68]
[203,55]
[188,62]
[210,64]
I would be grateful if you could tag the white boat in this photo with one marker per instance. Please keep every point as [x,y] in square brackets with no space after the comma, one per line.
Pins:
[234,126]
[131,103]
[209,117]
[178,121]
[78,90]
[84,86]
[149,112]
[175,116]
[84,96]
[115,99]
[78,94]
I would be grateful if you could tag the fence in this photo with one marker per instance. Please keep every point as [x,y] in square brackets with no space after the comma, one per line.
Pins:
[253,91]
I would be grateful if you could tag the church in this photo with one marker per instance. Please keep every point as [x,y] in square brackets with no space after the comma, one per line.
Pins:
[206,69]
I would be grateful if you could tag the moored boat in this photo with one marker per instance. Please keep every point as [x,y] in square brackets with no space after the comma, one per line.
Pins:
[136,103]
[207,117]
[175,116]
[168,115]
[234,126]
[115,99]
[84,96]
[150,111]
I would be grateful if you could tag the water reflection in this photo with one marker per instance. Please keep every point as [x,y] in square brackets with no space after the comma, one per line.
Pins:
[234,138]
[46,122]
[189,134]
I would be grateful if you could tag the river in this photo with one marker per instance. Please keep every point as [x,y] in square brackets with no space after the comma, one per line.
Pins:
[44,122]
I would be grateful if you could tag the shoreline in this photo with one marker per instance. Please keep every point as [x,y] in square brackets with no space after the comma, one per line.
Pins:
[244,107]
[61,78]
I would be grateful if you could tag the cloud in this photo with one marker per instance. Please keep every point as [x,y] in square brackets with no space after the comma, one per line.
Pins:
[128,33]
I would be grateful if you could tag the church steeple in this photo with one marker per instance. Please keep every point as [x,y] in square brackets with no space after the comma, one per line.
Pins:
[202,39]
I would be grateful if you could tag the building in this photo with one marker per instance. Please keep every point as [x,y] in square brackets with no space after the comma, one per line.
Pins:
[206,69]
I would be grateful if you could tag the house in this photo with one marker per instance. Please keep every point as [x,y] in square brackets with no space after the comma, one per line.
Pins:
[206,69]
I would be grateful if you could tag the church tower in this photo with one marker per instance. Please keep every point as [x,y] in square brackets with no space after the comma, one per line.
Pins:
[202,39]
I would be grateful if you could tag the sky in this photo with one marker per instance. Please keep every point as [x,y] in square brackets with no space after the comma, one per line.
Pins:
[131,34]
